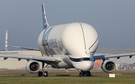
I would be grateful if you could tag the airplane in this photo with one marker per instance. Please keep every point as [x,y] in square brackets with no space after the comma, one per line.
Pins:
[71,45]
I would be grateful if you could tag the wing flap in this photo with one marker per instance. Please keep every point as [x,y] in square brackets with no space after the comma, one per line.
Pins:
[29,57]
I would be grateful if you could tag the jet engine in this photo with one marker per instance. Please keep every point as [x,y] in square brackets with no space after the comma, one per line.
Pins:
[108,66]
[32,66]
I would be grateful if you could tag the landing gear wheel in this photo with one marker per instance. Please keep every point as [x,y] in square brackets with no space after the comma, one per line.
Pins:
[88,73]
[45,74]
[81,73]
[85,73]
[40,73]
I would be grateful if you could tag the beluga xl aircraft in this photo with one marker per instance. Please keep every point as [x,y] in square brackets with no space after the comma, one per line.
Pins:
[70,45]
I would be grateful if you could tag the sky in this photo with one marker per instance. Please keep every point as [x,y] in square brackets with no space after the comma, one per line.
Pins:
[114,20]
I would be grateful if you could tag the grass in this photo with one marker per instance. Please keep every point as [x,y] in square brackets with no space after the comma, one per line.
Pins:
[124,77]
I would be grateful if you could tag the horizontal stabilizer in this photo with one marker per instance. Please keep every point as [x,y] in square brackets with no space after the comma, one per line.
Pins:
[6,44]
[23,48]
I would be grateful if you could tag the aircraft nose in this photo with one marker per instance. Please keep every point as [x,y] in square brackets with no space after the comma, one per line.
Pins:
[82,37]
[84,65]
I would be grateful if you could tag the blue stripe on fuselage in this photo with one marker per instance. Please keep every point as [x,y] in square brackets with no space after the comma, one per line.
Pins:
[46,34]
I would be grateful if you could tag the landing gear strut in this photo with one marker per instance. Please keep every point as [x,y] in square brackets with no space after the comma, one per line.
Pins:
[85,73]
[43,73]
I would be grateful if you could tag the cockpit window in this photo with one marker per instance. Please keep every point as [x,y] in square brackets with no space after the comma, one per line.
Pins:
[79,59]
[86,59]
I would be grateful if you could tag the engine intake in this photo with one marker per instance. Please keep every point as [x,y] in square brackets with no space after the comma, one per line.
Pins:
[108,66]
[32,66]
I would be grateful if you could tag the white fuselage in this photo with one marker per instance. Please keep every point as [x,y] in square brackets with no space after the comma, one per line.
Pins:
[74,43]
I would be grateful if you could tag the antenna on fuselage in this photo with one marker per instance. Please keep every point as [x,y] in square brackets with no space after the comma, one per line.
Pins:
[6,40]
[45,22]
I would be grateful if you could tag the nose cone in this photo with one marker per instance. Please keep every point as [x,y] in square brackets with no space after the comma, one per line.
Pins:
[84,65]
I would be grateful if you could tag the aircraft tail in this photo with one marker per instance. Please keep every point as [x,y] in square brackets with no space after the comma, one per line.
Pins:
[45,22]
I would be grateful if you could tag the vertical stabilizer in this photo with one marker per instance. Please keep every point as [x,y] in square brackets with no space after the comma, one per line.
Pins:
[6,41]
[45,22]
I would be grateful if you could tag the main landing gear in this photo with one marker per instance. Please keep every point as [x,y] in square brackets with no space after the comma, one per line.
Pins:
[85,73]
[43,73]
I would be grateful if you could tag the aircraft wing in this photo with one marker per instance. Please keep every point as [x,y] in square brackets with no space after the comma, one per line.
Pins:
[30,57]
[113,56]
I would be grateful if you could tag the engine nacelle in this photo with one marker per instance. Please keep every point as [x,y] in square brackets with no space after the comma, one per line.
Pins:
[108,66]
[32,66]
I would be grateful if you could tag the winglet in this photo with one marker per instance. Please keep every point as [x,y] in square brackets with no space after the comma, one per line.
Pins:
[45,22]
[6,41]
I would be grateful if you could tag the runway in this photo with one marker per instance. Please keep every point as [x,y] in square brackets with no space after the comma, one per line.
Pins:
[127,77]
[62,73]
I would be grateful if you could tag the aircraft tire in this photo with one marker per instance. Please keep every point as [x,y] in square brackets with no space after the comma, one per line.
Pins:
[45,74]
[85,73]
[88,73]
[40,73]
[81,74]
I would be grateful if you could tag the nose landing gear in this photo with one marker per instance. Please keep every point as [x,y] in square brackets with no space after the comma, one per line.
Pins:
[85,73]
